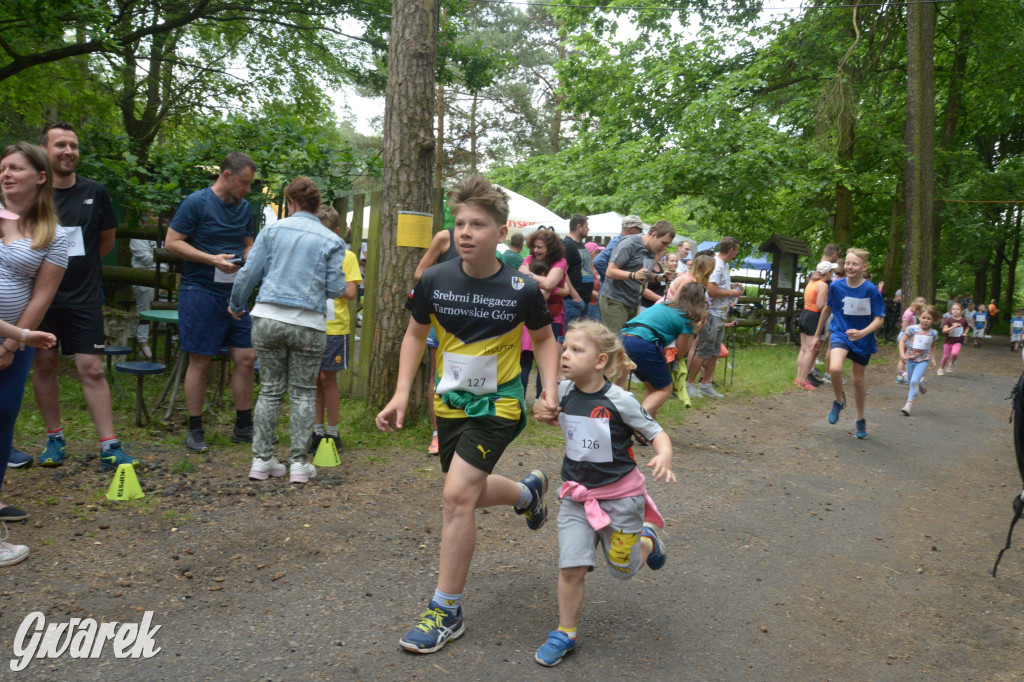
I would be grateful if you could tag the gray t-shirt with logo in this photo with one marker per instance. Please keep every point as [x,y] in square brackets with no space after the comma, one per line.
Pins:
[629,255]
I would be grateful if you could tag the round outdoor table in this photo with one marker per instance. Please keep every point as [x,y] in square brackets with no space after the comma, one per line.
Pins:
[168,317]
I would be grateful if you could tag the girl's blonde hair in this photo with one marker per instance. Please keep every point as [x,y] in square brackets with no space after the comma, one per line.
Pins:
[919,303]
[608,343]
[41,219]
[702,268]
[932,312]
[691,300]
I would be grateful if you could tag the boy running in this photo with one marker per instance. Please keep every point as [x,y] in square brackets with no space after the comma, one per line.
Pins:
[857,310]
[478,306]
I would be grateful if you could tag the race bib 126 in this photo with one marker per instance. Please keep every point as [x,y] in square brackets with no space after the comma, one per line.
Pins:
[587,439]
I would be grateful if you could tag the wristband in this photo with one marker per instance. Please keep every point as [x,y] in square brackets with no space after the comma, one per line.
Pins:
[24,337]
[631,275]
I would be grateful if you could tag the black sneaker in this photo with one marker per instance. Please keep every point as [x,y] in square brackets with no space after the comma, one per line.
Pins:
[12,514]
[243,434]
[195,441]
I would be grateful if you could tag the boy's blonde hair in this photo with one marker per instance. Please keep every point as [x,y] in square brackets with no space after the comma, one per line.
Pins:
[608,343]
[859,253]
[329,217]
[475,190]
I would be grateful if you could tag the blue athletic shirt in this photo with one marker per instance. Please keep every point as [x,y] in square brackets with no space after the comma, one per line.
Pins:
[213,227]
[854,308]
[661,324]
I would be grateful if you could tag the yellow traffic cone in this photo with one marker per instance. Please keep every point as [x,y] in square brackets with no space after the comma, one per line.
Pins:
[326,454]
[125,485]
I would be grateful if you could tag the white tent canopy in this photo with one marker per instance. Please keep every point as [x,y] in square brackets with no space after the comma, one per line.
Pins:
[524,214]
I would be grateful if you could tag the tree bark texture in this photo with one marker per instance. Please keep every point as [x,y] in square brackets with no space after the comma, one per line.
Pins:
[918,264]
[1011,276]
[439,144]
[843,229]
[408,163]
[892,272]
[997,269]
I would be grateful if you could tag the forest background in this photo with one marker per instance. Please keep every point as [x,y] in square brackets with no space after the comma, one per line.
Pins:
[723,117]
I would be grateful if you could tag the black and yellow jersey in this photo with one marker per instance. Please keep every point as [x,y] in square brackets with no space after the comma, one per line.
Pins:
[479,327]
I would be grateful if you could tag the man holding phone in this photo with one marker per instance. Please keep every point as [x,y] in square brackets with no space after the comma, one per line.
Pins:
[212,231]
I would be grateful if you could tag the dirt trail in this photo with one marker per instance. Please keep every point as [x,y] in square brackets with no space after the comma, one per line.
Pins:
[796,552]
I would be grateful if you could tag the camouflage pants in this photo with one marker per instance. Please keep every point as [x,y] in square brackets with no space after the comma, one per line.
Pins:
[289,358]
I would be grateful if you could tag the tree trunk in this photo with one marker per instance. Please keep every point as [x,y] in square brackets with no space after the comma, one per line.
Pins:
[950,119]
[1011,277]
[892,272]
[980,279]
[843,228]
[408,163]
[473,134]
[997,268]
[439,149]
[918,265]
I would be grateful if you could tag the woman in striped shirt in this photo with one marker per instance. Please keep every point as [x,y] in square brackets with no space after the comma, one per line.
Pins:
[33,257]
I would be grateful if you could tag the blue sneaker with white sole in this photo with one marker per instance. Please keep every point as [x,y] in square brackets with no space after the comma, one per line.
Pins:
[19,459]
[656,559]
[54,452]
[537,512]
[554,650]
[115,456]
[837,407]
[436,628]
[862,429]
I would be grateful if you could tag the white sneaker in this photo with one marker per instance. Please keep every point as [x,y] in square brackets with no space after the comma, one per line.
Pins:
[906,409]
[940,372]
[691,390]
[301,473]
[708,391]
[262,468]
[11,554]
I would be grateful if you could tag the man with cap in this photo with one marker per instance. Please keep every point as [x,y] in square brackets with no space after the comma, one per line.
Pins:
[631,225]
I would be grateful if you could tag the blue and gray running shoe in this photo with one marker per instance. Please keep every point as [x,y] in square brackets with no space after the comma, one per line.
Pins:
[53,454]
[837,407]
[537,512]
[19,459]
[656,559]
[862,428]
[554,650]
[436,627]
[115,456]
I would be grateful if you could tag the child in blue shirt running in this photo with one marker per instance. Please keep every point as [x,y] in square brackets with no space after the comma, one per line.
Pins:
[857,310]
[1016,330]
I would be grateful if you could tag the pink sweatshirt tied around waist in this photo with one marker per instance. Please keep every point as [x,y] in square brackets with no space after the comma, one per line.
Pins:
[632,484]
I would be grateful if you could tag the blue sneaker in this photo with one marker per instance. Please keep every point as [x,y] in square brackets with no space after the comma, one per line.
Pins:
[19,459]
[862,428]
[436,627]
[537,512]
[837,407]
[114,457]
[656,559]
[554,650]
[53,454]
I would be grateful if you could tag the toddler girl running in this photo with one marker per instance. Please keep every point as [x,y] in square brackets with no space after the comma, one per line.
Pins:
[604,498]
[909,318]
[916,351]
[955,329]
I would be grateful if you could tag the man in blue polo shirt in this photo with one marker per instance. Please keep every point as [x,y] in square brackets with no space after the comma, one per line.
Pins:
[212,231]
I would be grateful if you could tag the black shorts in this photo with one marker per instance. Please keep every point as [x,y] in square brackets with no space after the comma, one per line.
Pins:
[480,441]
[808,321]
[78,330]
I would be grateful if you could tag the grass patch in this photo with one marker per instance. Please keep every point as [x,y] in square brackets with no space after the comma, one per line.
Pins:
[184,466]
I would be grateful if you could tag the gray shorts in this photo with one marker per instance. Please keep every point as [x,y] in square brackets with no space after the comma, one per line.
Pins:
[620,540]
[709,341]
